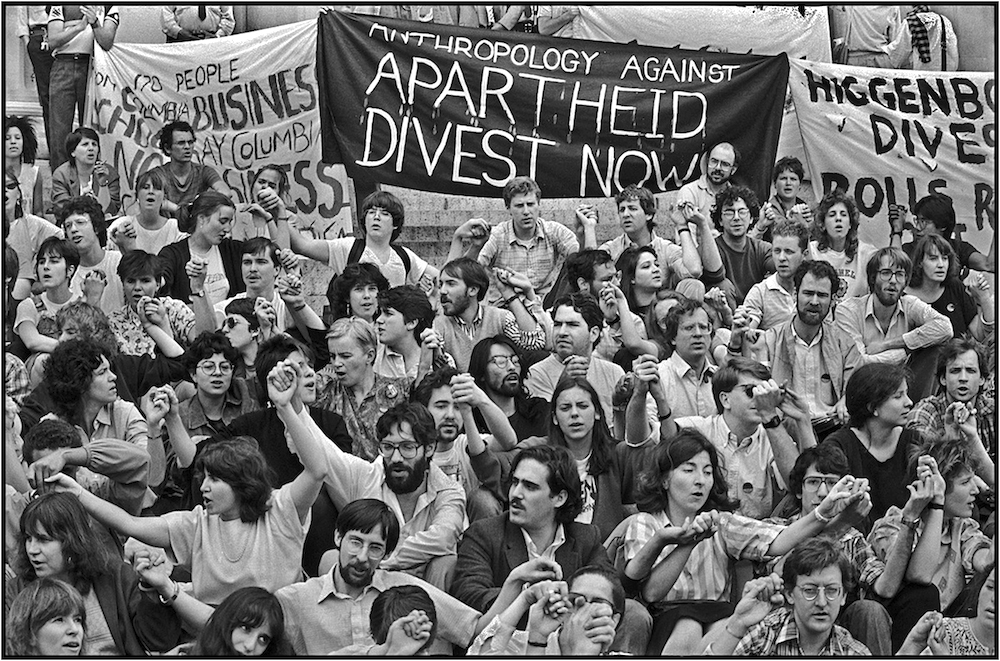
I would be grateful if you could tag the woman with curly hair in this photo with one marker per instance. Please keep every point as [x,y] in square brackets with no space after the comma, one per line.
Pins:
[935,281]
[356,292]
[682,544]
[57,541]
[20,149]
[245,533]
[835,240]
[47,618]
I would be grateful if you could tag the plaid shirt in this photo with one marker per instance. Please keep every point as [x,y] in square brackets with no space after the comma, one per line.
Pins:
[706,574]
[539,258]
[778,635]
[360,418]
[528,340]
[927,417]
[15,378]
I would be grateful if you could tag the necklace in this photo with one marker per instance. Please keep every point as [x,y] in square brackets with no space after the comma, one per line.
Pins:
[222,545]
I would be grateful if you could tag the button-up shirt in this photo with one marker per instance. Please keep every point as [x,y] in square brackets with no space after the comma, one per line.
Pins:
[748,462]
[84,41]
[319,619]
[549,552]
[15,378]
[539,257]
[918,324]
[360,417]
[134,340]
[669,255]
[778,635]
[769,304]
[927,417]
[807,373]
[438,516]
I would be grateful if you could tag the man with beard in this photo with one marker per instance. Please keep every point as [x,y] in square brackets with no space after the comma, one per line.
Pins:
[813,358]
[461,451]
[430,505]
[466,320]
[721,164]
[891,327]
[495,366]
[747,260]
[332,611]
[577,322]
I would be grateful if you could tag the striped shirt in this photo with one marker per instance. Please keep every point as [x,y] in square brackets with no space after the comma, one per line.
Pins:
[778,635]
[706,574]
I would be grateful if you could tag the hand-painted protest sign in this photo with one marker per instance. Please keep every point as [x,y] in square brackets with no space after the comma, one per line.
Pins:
[252,100]
[891,136]
[455,110]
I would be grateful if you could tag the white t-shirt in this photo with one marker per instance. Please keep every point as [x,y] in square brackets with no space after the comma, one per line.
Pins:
[149,240]
[853,274]
[114,296]
[393,269]
[28,311]
[216,282]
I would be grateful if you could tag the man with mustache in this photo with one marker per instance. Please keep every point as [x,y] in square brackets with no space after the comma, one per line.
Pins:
[889,326]
[332,611]
[719,167]
[813,358]
[429,505]
[495,366]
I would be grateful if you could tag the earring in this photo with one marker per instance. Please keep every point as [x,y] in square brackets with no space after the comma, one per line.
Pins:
[875,413]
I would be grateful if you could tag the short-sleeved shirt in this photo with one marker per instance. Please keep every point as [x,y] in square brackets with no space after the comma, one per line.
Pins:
[134,340]
[748,462]
[25,236]
[706,574]
[114,295]
[960,542]
[669,256]
[40,311]
[84,41]
[539,258]
[769,304]
[151,241]
[201,178]
[393,269]
[746,267]
[224,556]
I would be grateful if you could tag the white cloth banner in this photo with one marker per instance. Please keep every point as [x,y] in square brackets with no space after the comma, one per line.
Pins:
[749,29]
[891,136]
[252,99]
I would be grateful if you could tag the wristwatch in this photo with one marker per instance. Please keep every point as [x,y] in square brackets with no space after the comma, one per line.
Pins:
[773,422]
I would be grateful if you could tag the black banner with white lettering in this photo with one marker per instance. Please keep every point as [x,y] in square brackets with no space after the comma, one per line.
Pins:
[456,110]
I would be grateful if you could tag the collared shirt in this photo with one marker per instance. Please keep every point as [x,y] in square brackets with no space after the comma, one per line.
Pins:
[392,364]
[706,574]
[134,340]
[360,417]
[15,378]
[669,255]
[807,372]
[769,304]
[528,340]
[539,257]
[857,549]
[777,635]
[748,462]
[917,323]
[320,620]
[700,195]
[960,541]
[438,516]
[218,19]
[549,552]
[927,417]
[611,338]
[237,402]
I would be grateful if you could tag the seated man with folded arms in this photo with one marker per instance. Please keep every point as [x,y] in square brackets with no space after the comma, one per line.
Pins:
[322,614]
[495,366]
[430,505]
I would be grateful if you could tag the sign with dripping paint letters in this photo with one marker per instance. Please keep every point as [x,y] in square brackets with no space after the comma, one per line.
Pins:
[252,100]
[456,110]
[892,136]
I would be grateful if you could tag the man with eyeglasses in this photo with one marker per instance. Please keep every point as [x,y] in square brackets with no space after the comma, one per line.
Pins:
[747,260]
[332,611]
[430,505]
[717,169]
[495,366]
[814,584]
[574,618]
[816,472]
[889,326]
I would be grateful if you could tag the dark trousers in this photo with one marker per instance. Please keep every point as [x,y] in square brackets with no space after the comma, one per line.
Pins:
[67,93]
[908,606]
[41,64]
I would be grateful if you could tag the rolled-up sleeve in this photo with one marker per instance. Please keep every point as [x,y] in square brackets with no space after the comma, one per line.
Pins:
[932,327]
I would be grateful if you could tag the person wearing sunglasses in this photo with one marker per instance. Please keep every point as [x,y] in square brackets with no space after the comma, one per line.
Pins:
[889,326]
[814,583]
[747,260]
[815,474]
[430,504]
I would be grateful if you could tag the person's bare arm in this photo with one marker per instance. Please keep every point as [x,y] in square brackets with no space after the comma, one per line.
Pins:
[316,249]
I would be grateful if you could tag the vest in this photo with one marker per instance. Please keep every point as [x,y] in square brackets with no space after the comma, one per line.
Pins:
[457,342]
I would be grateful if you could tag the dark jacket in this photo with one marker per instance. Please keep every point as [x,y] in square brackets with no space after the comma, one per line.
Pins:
[137,620]
[492,547]
[176,256]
